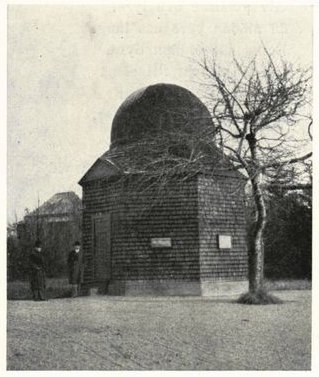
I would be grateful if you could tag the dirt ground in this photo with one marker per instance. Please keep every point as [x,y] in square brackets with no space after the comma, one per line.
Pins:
[164,333]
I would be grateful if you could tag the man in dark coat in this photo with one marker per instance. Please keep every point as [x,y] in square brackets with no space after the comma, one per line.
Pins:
[37,273]
[75,268]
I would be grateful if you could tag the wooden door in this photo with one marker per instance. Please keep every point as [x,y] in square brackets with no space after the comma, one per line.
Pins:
[102,247]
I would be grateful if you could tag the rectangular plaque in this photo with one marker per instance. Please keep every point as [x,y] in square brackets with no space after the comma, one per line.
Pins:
[161,242]
[224,241]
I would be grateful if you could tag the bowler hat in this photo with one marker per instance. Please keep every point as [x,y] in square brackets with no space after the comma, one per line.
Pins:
[76,243]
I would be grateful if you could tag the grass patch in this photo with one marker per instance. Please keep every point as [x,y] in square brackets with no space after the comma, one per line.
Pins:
[56,288]
[59,288]
[283,285]
[262,297]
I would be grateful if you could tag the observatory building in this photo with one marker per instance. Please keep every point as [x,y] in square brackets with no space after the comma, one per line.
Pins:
[177,228]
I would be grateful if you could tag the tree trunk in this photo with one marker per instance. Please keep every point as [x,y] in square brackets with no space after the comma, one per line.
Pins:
[256,247]
[256,252]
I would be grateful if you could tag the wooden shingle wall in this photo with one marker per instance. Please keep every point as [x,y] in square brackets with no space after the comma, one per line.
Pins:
[137,219]
[221,212]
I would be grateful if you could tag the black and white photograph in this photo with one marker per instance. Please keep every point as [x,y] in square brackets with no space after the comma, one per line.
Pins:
[159,187]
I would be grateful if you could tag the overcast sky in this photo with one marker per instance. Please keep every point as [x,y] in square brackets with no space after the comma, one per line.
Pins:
[70,67]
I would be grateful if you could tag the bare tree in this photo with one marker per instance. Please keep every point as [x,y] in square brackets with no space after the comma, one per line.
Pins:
[258,110]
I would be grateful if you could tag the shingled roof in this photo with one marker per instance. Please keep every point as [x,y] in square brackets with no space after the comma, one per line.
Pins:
[137,158]
[61,203]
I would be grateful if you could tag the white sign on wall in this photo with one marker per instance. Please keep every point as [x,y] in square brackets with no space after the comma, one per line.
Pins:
[161,242]
[224,241]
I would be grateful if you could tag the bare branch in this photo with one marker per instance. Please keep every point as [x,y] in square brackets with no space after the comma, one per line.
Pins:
[287,162]
[288,187]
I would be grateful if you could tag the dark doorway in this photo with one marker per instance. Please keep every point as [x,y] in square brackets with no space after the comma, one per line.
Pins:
[102,247]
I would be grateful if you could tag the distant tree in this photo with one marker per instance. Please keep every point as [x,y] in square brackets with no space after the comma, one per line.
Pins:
[17,266]
[288,235]
[57,238]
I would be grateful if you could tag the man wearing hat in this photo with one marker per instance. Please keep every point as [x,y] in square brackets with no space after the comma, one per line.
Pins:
[75,268]
[37,272]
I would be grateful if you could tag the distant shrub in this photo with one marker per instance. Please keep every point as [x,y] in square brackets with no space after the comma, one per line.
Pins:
[288,236]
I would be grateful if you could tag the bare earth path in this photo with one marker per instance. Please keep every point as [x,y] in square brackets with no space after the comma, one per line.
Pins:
[144,333]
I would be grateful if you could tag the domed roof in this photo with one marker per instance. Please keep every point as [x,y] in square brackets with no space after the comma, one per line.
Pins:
[158,108]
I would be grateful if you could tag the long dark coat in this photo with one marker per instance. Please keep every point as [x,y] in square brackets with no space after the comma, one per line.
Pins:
[75,267]
[37,271]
